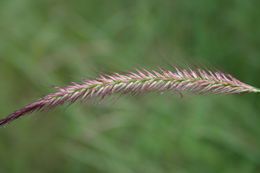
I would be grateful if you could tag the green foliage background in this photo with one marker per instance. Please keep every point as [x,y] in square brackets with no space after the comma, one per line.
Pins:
[52,42]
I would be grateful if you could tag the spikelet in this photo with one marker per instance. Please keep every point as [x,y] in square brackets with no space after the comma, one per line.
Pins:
[198,81]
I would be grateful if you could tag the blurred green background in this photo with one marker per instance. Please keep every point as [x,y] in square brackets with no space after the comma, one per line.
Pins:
[53,42]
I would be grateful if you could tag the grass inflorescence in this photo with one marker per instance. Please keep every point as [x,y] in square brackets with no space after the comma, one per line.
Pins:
[198,81]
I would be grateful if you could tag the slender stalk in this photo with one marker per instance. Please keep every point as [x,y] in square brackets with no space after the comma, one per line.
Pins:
[197,81]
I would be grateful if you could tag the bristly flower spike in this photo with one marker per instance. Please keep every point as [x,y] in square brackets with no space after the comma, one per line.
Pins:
[198,81]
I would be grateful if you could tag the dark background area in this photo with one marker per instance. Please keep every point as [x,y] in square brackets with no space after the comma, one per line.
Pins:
[45,43]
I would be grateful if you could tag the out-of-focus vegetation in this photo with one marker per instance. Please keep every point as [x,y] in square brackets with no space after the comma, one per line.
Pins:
[52,42]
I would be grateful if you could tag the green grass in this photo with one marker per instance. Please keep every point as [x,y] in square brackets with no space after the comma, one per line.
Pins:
[45,43]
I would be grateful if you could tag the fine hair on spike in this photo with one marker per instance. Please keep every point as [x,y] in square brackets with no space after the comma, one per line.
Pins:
[192,80]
